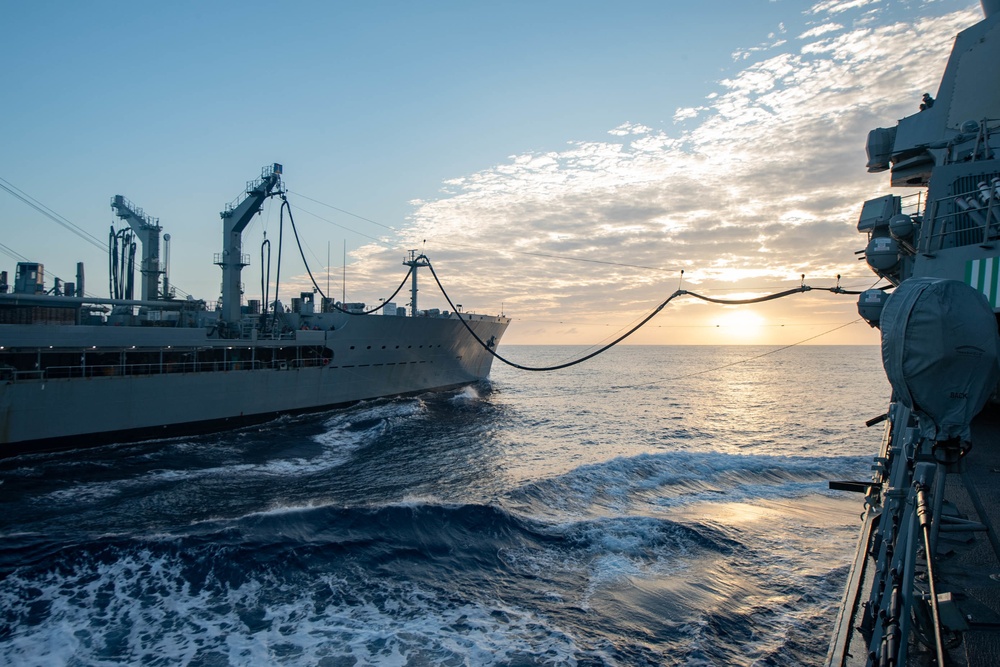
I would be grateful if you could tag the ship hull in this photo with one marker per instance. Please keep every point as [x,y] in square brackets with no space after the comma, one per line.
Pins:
[369,357]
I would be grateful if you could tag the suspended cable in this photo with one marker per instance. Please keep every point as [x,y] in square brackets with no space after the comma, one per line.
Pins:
[302,254]
[336,224]
[10,252]
[679,292]
[452,244]
[24,197]
[741,361]
[340,210]
[460,245]
[620,387]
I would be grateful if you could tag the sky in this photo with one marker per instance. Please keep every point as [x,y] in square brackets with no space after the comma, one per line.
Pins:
[559,161]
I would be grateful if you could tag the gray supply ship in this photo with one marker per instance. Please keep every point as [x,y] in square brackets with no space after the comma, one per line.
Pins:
[924,586]
[78,370]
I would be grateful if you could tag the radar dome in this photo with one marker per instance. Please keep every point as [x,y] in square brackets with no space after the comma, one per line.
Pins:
[882,253]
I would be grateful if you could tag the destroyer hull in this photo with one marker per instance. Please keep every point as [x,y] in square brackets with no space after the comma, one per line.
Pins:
[369,357]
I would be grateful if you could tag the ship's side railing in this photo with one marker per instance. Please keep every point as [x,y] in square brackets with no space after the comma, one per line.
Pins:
[313,357]
[971,217]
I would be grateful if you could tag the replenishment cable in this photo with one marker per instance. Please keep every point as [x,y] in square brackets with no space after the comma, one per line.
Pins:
[489,346]
[680,292]
[302,254]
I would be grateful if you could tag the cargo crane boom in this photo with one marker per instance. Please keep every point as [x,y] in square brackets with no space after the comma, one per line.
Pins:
[147,229]
[234,220]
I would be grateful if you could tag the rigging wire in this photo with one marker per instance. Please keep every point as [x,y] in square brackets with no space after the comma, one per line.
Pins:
[24,197]
[680,292]
[704,371]
[736,363]
[302,254]
[462,245]
[337,224]
[13,254]
[474,247]
[353,215]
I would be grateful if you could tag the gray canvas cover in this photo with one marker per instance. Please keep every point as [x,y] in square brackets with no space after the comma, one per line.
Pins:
[939,350]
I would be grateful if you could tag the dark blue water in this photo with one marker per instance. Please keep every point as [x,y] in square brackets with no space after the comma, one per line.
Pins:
[657,506]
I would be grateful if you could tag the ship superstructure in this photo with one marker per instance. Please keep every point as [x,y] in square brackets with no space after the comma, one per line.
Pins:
[79,370]
[924,586]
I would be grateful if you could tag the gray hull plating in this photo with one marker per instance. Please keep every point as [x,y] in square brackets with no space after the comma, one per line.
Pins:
[368,357]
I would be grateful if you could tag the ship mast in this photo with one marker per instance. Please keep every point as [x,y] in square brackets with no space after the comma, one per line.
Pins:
[147,229]
[234,220]
[414,262]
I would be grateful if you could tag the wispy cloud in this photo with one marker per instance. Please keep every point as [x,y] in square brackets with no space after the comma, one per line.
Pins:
[765,187]
[821,30]
[839,6]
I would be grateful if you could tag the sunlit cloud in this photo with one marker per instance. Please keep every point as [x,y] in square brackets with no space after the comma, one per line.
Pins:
[765,186]
[821,30]
[838,6]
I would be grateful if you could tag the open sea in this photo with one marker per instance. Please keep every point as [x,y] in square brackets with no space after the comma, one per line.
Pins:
[653,506]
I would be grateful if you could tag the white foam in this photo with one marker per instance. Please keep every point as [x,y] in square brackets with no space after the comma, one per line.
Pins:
[654,482]
[141,609]
[338,443]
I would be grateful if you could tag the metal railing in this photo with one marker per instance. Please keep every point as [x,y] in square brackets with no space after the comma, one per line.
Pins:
[969,218]
[146,369]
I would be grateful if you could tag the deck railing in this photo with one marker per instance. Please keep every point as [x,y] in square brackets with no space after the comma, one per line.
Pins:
[119,370]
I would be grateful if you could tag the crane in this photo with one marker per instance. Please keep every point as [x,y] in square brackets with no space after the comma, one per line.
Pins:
[147,229]
[234,220]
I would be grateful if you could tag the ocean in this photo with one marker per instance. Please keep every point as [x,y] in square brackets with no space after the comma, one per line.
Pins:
[654,506]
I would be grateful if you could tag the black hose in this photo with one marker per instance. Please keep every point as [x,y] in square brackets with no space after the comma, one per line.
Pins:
[111,262]
[313,279]
[680,292]
[265,276]
[131,268]
[277,270]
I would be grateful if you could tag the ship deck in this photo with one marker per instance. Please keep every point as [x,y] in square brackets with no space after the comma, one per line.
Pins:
[968,564]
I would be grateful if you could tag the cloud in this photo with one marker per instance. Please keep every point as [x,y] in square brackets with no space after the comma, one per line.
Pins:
[838,6]
[765,187]
[821,30]
[686,113]
[626,129]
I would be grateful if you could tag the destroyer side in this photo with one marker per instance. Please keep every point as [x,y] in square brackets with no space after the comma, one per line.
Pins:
[923,586]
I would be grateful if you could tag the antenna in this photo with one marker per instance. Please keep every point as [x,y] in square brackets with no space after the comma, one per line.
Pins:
[166,266]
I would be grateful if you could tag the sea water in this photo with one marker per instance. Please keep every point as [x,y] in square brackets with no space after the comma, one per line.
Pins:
[654,506]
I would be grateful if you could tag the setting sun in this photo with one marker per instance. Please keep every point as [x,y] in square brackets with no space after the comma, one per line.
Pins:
[741,323]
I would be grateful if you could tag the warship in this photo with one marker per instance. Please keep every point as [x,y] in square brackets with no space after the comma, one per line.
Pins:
[80,370]
[924,585]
